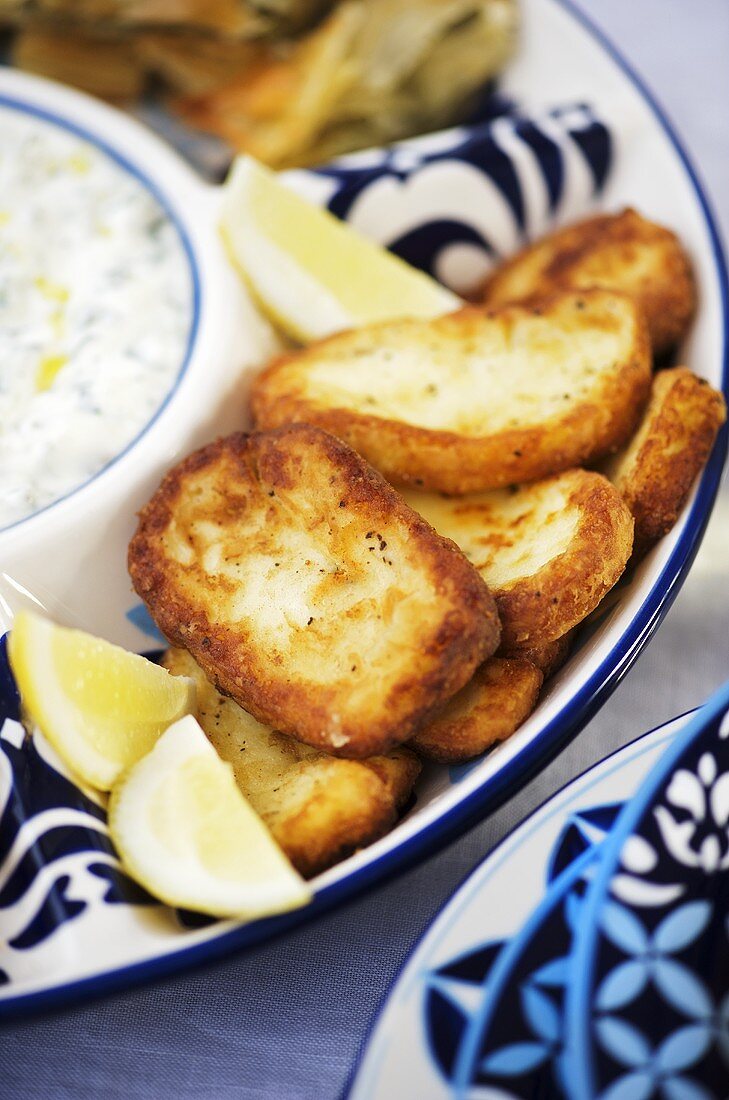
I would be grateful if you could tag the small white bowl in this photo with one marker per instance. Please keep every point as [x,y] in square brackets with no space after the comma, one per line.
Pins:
[70,555]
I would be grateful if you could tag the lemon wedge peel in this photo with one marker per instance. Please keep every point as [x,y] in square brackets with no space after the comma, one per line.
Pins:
[100,707]
[310,273]
[184,830]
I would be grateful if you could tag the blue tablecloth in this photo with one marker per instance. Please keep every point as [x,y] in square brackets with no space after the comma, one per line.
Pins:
[286,1022]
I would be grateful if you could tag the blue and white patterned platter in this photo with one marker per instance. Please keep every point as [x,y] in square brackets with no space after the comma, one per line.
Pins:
[572,130]
[587,955]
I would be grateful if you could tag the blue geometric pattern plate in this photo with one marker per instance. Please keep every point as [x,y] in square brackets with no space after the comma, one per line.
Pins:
[648,1004]
[587,955]
[572,130]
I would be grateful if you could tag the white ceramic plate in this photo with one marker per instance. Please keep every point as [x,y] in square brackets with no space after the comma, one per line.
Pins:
[587,136]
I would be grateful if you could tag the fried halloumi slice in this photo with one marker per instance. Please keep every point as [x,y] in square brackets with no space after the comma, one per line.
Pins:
[548,551]
[308,591]
[547,656]
[319,809]
[622,252]
[473,400]
[501,696]
[655,472]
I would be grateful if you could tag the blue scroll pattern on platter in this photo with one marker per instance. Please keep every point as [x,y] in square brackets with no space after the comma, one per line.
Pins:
[456,203]
[56,858]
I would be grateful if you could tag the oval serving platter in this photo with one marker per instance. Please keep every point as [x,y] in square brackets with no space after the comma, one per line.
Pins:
[575,131]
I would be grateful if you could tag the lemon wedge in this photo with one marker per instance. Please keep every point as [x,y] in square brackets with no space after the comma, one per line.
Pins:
[310,273]
[100,707]
[185,832]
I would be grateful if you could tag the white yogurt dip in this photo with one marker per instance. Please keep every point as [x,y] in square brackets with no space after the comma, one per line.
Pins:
[95,311]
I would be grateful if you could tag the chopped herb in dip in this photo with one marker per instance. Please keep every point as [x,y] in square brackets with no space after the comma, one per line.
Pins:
[95,311]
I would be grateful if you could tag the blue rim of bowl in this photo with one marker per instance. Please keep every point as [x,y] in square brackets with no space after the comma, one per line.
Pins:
[577,1007]
[452,900]
[564,726]
[132,169]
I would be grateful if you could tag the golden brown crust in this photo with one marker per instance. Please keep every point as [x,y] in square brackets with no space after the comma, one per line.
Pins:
[549,551]
[398,770]
[595,418]
[308,591]
[623,252]
[501,696]
[655,472]
[345,807]
[560,595]
[318,808]
[548,657]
